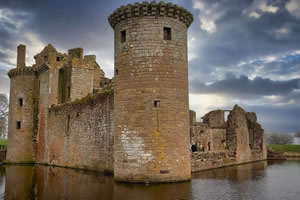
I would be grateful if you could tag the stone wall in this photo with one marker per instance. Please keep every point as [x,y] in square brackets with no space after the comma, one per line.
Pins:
[80,133]
[237,135]
[209,160]
[151,94]
[239,140]
[21,121]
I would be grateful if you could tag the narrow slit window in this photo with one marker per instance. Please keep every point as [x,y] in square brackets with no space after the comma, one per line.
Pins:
[18,124]
[117,71]
[167,33]
[68,123]
[156,104]
[20,102]
[69,92]
[46,58]
[123,36]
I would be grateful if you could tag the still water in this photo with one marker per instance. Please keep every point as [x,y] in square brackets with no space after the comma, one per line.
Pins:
[260,180]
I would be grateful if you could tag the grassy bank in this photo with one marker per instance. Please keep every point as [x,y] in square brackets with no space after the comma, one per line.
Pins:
[3,142]
[285,147]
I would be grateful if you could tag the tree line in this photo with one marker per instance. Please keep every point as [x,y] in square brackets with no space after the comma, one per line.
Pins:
[3,115]
[275,138]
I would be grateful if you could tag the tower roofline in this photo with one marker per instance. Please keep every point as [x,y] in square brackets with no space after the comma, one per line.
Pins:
[161,9]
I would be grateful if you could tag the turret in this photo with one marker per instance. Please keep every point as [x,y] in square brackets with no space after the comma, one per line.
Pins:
[21,119]
[151,106]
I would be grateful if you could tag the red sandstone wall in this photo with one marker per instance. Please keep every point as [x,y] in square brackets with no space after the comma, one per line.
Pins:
[81,134]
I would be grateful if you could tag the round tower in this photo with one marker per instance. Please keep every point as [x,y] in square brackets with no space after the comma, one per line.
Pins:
[21,111]
[151,106]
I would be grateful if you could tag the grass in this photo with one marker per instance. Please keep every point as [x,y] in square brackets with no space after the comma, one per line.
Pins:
[3,142]
[285,147]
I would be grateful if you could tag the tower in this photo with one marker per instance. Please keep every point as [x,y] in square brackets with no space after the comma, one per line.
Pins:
[151,107]
[21,111]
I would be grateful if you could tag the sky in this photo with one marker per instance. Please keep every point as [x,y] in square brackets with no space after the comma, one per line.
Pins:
[244,52]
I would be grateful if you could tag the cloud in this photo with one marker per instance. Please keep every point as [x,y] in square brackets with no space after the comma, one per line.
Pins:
[243,87]
[259,8]
[293,6]
[208,14]
[240,51]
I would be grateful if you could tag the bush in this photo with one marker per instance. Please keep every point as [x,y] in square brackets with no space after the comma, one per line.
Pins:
[275,138]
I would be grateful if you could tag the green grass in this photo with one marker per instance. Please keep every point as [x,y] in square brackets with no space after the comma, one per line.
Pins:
[3,142]
[285,147]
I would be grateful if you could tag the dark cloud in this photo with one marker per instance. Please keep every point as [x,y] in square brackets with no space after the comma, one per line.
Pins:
[244,87]
[4,81]
[239,37]
[216,57]
[277,118]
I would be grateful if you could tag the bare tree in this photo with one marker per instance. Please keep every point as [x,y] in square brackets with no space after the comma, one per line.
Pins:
[297,134]
[275,138]
[3,115]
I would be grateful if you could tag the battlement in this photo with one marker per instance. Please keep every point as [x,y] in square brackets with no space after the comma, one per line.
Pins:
[21,71]
[150,9]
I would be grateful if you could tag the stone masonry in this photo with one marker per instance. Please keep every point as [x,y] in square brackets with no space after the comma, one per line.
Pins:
[63,111]
[220,143]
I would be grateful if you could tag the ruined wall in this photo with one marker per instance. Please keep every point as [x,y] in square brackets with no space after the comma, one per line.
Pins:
[215,119]
[237,135]
[239,140]
[151,94]
[209,160]
[80,134]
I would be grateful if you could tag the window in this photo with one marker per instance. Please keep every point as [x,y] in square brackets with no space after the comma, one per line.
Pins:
[58,59]
[69,92]
[123,36]
[167,33]
[156,104]
[18,124]
[117,71]
[45,58]
[20,102]
[68,123]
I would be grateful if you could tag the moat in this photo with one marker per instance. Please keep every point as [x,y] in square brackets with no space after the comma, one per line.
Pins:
[259,180]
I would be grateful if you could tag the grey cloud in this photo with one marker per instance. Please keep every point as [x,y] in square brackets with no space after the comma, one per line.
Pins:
[4,81]
[278,118]
[245,87]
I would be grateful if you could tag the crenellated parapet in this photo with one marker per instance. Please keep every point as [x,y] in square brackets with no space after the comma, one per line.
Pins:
[150,9]
[21,71]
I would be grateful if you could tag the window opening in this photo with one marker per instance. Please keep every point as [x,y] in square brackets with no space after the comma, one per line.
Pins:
[123,36]
[18,124]
[20,102]
[167,33]
[156,104]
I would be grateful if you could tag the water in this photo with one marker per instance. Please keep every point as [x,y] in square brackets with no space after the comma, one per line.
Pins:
[260,180]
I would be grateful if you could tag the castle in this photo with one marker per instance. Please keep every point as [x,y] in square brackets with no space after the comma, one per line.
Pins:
[63,111]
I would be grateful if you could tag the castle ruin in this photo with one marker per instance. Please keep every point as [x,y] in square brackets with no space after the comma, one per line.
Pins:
[63,111]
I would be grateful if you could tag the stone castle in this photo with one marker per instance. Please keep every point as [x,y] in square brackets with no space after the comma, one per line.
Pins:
[63,111]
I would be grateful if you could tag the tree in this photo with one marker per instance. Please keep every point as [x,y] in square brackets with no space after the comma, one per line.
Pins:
[297,134]
[275,138]
[3,115]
